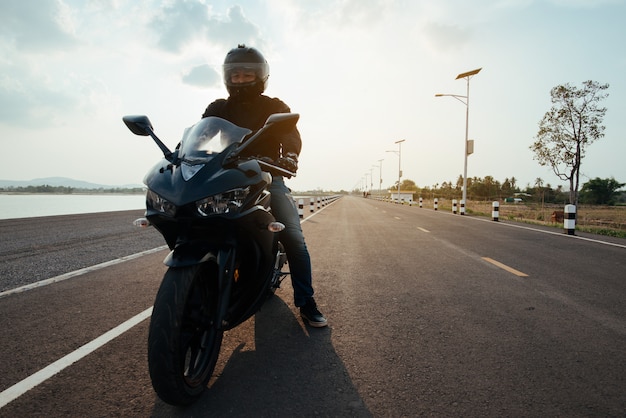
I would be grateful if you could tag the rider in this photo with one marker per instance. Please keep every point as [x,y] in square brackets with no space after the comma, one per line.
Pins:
[245,75]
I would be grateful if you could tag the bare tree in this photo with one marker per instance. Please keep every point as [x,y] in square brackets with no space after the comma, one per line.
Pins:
[573,122]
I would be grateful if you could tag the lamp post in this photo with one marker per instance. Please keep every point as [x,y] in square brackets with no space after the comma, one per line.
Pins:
[380,178]
[468,75]
[399,154]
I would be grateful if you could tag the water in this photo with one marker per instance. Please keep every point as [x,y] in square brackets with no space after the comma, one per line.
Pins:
[33,205]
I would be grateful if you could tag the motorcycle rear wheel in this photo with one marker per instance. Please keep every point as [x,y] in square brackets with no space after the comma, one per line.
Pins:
[184,341]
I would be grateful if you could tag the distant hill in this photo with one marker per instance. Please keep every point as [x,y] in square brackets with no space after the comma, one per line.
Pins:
[63,182]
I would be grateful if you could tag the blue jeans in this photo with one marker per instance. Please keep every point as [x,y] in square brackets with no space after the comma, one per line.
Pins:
[285,211]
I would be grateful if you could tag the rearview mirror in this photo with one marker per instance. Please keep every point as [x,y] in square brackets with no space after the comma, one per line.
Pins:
[138,124]
[281,123]
[141,125]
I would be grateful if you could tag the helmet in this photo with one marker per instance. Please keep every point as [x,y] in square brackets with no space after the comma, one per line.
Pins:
[243,57]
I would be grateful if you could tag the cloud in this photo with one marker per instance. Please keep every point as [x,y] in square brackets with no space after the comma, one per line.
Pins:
[35,28]
[202,76]
[183,23]
[361,12]
[26,102]
[28,37]
[446,37]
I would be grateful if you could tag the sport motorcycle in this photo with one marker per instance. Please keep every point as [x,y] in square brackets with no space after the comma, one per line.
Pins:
[209,199]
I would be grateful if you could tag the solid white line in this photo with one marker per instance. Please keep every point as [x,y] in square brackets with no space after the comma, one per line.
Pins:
[47,372]
[560,234]
[79,272]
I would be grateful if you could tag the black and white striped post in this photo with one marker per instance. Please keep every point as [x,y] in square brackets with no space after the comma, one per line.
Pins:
[436,203]
[312,204]
[301,208]
[569,220]
[421,202]
[319,203]
[462,207]
[495,211]
[454,203]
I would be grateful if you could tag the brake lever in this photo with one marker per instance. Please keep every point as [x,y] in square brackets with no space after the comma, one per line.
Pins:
[275,170]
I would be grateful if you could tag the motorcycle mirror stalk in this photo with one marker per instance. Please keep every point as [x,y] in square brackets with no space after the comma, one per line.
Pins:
[276,124]
[141,125]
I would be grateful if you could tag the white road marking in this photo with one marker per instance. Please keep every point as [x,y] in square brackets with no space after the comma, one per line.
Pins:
[505,267]
[47,372]
[79,272]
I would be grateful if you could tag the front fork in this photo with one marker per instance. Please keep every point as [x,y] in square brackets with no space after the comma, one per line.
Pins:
[279,262]
[226,267]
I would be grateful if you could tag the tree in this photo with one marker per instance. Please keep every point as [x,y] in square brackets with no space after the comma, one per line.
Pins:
[573,123]
[600,191]
[408,185]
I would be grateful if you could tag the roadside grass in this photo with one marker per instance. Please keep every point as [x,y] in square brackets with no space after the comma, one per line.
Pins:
[601,220]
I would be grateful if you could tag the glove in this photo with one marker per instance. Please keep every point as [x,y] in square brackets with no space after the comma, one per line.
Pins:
[289,162]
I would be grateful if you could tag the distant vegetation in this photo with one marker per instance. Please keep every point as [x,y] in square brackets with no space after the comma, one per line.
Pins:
[596,191]
[70,190]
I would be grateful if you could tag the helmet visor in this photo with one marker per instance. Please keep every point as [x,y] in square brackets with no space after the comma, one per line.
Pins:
[242,73]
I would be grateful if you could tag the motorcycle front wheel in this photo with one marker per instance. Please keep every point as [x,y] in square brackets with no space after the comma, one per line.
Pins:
[184,341]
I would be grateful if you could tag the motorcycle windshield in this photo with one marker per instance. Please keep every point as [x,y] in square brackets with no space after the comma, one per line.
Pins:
[207,138]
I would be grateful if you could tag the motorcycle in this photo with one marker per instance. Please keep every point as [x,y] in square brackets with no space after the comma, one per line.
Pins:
[210,201]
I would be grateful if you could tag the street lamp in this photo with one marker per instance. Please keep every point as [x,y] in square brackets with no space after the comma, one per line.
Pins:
[399,154]
[380,178]
[468,75]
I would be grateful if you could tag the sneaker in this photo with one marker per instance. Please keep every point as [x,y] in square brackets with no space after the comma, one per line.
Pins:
[312,315]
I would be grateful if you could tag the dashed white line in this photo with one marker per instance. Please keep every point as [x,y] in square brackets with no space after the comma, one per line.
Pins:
[505,267]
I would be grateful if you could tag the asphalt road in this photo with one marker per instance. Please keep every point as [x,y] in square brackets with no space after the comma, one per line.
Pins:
[430,314]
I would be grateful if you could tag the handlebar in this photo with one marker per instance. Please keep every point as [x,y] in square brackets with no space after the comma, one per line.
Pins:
[275,170]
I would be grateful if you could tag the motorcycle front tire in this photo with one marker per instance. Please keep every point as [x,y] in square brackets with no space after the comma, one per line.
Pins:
[184,341]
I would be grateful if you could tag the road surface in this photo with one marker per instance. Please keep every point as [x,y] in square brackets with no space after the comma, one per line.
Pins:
[430,314]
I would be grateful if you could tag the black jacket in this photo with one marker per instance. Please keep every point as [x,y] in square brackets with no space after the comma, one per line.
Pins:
[252,115]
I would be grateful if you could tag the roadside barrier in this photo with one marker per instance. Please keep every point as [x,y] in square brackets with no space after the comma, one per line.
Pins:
[321,202]
[568,216]
[495,211]
[301,208]
[569,222]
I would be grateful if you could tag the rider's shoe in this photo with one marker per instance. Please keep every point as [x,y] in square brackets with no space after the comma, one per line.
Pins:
[312,315]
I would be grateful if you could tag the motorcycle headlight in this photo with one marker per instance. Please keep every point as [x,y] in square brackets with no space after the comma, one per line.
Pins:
[222,203]
[157,203]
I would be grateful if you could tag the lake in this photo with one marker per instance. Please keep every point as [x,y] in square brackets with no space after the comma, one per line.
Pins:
[33,205]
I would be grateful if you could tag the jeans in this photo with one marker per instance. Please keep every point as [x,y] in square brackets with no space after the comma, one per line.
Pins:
[285,211]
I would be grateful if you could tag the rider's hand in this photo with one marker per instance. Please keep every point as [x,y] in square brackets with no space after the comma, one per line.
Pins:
[289,162]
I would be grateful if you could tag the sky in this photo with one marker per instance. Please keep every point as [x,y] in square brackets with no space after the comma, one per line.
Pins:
[362,74]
